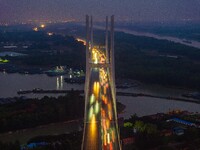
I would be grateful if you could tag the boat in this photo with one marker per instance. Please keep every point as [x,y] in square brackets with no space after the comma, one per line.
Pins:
[58,71]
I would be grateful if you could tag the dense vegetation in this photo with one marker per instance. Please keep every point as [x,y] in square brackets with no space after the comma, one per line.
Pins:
[30,113]
[154,61]
[140,58]
[187,30]
[10,146]
[146,59]
[70,141]
[150,131]
[44,50]
[33,112]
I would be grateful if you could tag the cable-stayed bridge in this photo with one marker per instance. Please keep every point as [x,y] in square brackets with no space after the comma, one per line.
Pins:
[100,120]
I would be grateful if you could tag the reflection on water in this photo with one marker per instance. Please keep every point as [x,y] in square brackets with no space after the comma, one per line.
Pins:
[59,83]
[11,83]
[146,106]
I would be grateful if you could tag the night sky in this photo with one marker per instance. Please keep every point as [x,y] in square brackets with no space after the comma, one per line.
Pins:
[137,10]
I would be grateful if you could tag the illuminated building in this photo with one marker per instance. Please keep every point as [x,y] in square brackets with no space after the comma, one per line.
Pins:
[100,120]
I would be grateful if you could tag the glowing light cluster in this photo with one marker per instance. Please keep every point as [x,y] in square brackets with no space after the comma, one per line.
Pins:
[35,29]
[98,57]
[42,26]
[101,109]
[81,40]
[50,33]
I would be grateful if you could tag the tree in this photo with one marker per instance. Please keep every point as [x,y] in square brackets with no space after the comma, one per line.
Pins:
[150,128]
[139,126]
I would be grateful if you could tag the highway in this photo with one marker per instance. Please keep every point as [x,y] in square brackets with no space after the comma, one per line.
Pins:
[101,120]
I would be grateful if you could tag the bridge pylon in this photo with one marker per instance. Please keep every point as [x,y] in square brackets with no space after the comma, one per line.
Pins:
[100,119]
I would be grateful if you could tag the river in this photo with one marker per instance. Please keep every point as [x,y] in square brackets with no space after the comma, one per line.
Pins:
[195,44]
[11,83]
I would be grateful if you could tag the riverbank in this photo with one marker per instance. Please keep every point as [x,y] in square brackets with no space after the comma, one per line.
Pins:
[41,91]
[56,128]
[11,83]
[192,43]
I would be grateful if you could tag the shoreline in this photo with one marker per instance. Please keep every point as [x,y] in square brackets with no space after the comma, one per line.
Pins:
[195,44]
[124,79]
[129,94]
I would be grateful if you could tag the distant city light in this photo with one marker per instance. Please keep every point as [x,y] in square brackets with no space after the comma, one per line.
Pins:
[42,26]
[50,33]
[35,29]
[81,40]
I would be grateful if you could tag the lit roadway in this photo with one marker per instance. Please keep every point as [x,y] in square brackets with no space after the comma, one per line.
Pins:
[100,130]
